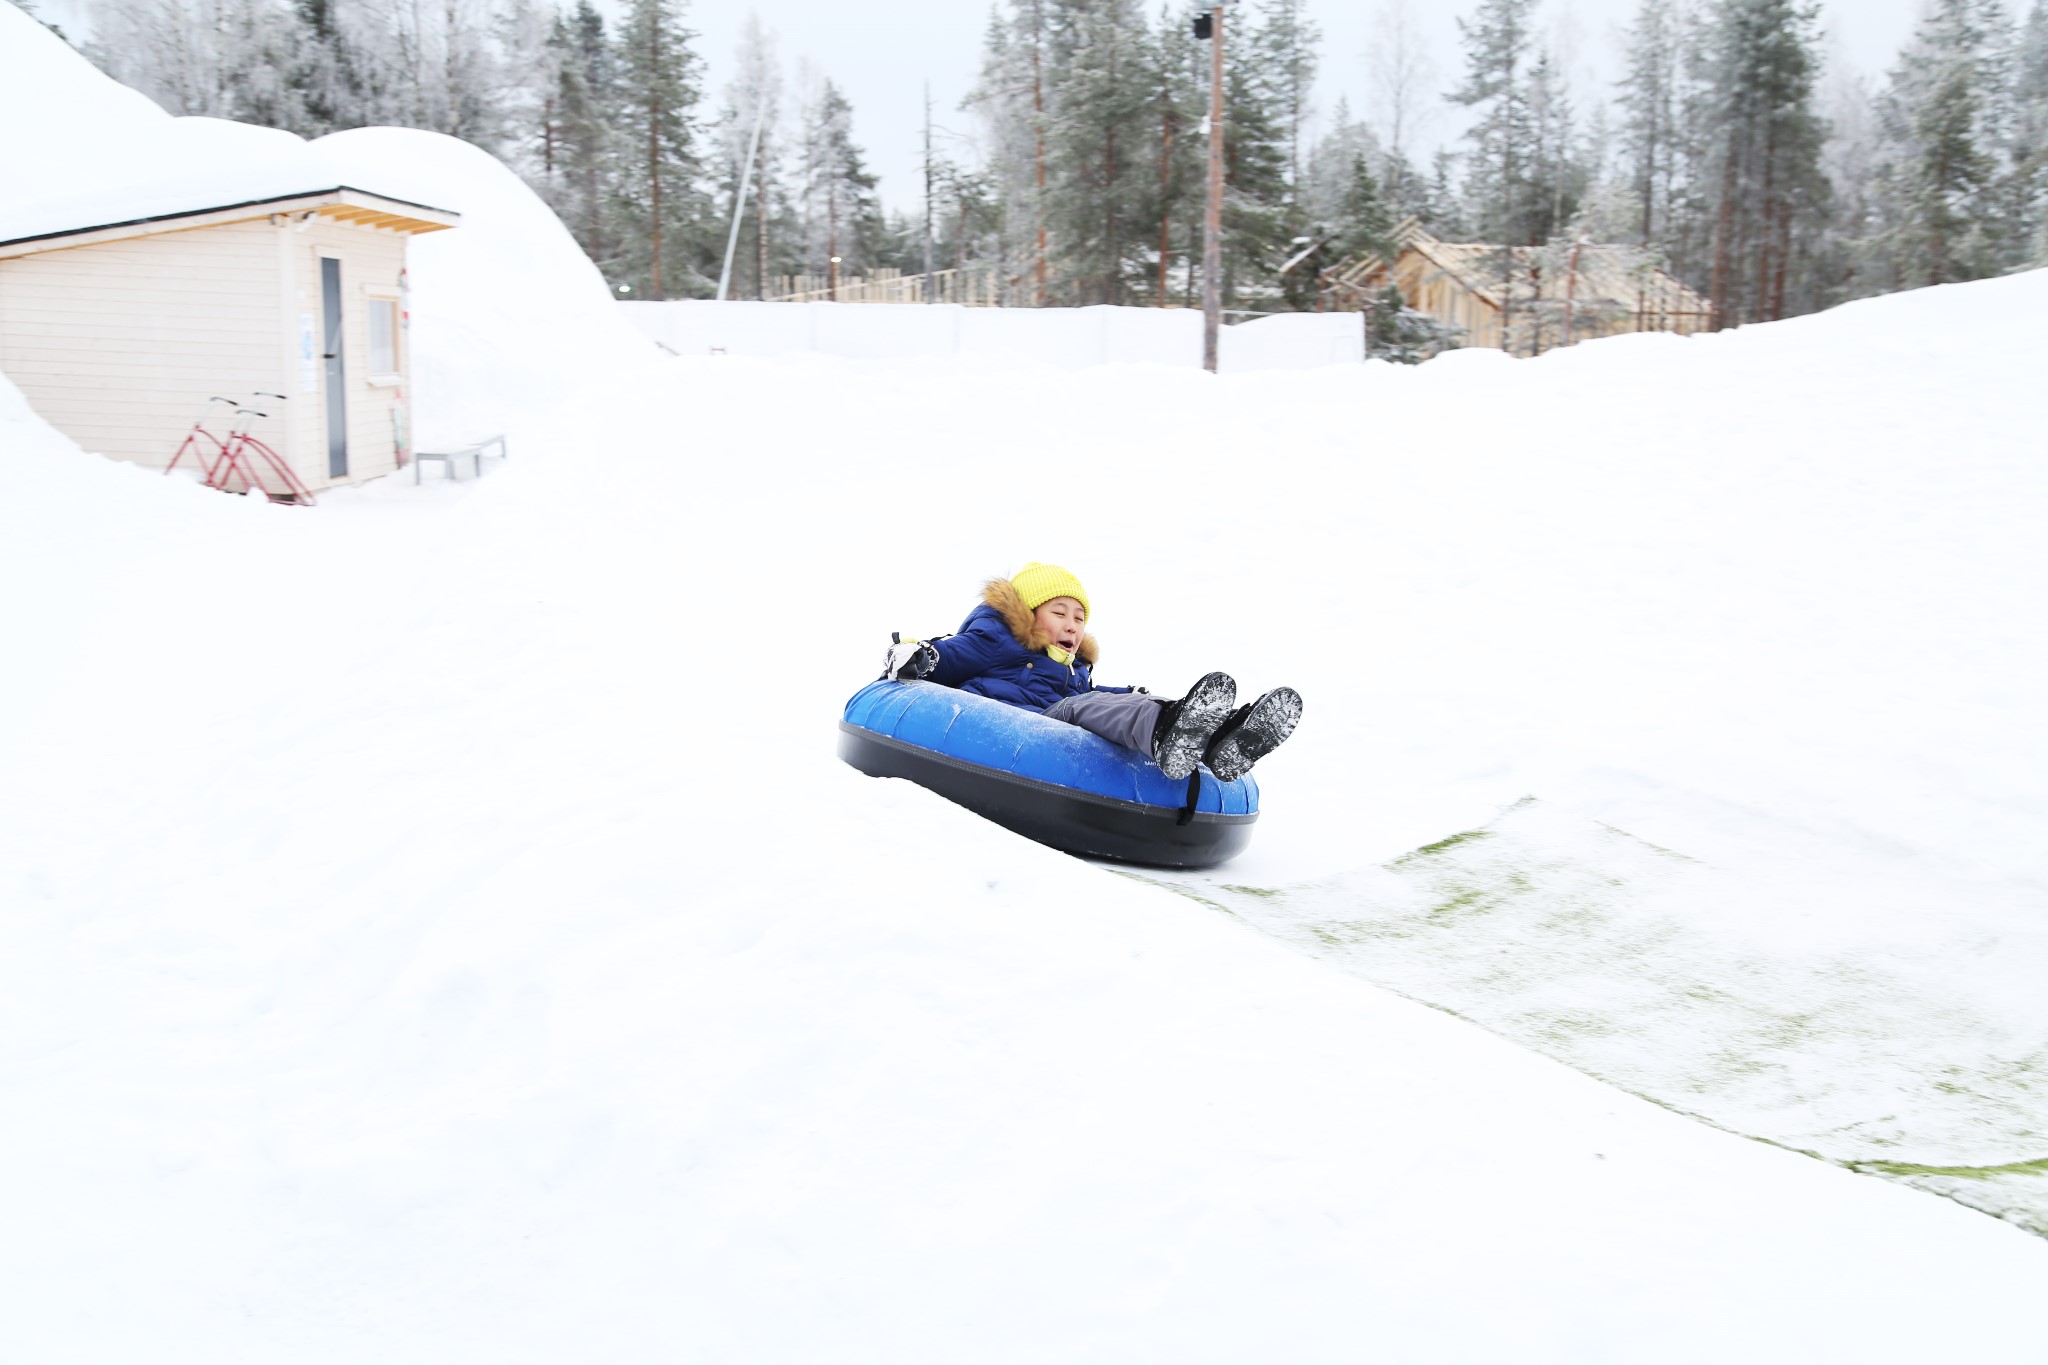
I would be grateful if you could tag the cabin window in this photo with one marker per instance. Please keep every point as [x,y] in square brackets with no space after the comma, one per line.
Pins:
[383,337]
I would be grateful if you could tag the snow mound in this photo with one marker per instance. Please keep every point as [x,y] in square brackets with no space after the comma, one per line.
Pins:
[505,308]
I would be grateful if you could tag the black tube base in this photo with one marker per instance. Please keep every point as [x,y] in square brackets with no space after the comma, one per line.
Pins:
[1071,821]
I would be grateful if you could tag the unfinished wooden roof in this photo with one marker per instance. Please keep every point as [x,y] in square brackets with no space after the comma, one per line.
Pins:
[1620,275]
[340,203]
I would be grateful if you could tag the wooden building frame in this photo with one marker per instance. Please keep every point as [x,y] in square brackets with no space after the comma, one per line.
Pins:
[1524,299]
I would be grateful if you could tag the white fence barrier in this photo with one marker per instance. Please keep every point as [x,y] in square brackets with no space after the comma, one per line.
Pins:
[1069,337]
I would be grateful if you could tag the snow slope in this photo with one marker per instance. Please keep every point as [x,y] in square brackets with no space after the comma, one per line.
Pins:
[436,925]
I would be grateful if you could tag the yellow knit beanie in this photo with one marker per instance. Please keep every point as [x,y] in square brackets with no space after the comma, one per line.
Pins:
[1039,583]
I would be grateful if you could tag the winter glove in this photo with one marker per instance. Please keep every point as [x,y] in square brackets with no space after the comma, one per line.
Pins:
[909,659]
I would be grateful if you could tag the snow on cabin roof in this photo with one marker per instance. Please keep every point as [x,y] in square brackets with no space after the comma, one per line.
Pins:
[130,211]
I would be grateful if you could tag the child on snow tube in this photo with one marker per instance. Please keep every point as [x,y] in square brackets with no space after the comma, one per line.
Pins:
[1026,645]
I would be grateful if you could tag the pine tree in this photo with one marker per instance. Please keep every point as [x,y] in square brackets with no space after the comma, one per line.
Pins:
[659,204]
[1653,139]
[1766,193]
[1498,45]
[1178,104]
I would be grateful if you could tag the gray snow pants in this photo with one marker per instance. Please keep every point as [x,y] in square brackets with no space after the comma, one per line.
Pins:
[1126,718]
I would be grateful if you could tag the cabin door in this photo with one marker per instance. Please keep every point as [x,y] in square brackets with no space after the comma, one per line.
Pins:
[337,389]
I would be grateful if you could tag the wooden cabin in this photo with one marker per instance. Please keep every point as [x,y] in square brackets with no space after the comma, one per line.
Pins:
[121,333]
[1534,297]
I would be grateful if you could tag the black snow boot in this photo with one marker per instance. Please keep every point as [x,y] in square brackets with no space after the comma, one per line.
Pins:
[1252,732]
[1184,726]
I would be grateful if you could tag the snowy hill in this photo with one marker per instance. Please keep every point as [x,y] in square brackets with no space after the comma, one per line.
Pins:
[437,927]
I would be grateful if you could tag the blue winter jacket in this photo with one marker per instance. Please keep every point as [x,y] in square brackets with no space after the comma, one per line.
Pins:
[992,656]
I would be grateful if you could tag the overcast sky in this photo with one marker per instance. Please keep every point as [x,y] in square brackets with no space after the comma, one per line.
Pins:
[881,56]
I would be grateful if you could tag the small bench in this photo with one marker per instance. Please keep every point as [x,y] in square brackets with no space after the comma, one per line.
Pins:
[448,458]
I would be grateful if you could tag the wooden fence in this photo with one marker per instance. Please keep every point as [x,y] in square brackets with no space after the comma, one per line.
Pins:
[973,288]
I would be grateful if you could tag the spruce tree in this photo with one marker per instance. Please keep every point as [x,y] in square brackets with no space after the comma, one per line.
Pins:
[1943,161]
[1286,41]
[1100,135]
[1257,225]
[842,217]
[324,70]
[1328,176]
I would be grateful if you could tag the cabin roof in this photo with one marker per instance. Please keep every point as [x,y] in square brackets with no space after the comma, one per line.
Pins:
[51,225]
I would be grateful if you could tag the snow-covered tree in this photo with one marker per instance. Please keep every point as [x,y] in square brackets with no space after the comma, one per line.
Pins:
[1940,115]
[842,218]
[754,95]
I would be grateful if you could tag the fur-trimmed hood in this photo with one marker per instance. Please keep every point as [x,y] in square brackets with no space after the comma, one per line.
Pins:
[1002,597]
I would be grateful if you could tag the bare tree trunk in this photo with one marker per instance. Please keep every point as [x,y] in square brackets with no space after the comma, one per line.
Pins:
[761,235]
[1724,244]
[654,151]
[1165,198]
[1767,239]
[1109,279]
[1212,213]
[1784,257]
[1571,287]
[1038,136]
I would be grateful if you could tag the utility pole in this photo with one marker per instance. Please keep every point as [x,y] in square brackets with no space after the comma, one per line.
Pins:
[1210,26]
[928,280]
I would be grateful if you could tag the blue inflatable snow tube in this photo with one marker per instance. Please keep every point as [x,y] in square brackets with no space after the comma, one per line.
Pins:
[1045,779]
